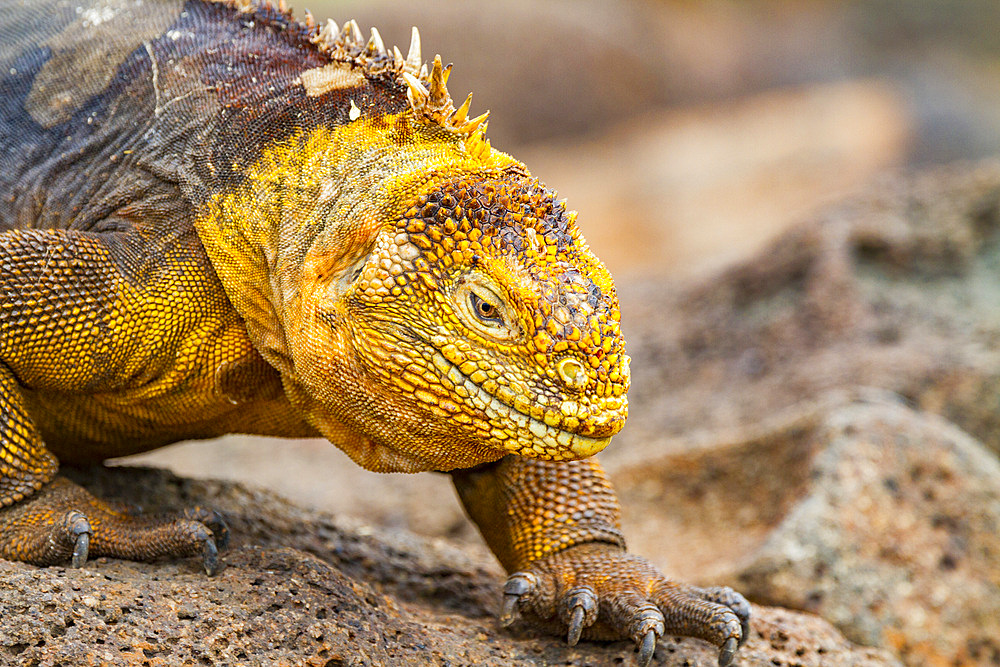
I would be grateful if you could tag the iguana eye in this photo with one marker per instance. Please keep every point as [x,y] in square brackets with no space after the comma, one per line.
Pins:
[482,310]
[488,313]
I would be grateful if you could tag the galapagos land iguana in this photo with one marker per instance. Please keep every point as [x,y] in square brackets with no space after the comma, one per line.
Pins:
[217,219]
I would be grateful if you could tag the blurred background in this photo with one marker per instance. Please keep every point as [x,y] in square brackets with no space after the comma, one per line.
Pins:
[687,133]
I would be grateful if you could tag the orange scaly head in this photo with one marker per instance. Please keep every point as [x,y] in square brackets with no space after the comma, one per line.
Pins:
[428,303]
[504,327]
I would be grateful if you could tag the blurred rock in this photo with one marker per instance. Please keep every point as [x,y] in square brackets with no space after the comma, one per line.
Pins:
[883,520]
[687,191]
[571,68]
[315,473]
[897,289]
[543,69]
[302,587]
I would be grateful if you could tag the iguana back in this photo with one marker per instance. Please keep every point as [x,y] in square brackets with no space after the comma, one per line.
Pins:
[106,100]
[112,121]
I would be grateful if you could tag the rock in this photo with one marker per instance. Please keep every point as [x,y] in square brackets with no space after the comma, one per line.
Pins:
[896,539]
[302,587]
[896,289]
[883,520]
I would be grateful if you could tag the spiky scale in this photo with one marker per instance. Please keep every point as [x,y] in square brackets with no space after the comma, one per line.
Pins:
[327,34]
[414,61]
[438,88]
[458,118]
[375,47]
[356,36]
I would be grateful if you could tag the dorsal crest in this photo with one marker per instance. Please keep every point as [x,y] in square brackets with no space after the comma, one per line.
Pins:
[426,89]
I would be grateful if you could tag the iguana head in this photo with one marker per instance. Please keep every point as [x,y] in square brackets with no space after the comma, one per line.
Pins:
[429,303]
[485,318]
[477,323]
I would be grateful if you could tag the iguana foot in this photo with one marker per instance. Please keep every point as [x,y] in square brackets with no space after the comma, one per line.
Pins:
[601,592]
[63,521]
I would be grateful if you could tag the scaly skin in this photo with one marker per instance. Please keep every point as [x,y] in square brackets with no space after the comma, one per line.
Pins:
[214,219]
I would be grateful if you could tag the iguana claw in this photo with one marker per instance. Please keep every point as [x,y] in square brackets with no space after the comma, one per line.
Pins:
[575,626]
[519,584]
[728,652]
[581,604]
[646,649]
[210,557]
[80,527]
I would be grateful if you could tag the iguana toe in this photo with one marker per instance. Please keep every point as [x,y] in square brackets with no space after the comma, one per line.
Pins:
[738,604]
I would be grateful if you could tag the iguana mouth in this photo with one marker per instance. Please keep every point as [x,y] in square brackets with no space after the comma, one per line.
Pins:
[529,437]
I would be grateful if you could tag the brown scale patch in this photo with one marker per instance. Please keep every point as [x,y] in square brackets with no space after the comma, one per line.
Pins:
[86,54]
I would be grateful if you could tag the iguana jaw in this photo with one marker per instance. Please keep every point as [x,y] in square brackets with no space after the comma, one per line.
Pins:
[529,437]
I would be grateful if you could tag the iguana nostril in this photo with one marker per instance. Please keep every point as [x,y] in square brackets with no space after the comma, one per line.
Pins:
[572,373]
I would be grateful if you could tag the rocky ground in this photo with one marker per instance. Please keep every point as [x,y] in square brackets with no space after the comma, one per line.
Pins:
[303,587]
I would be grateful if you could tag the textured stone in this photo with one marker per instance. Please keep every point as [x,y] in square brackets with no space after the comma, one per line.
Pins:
[880,519]
[896,289]
[301,587]
[896,539]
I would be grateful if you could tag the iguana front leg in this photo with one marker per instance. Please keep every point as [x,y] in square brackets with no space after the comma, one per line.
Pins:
[555,527]
[60,302]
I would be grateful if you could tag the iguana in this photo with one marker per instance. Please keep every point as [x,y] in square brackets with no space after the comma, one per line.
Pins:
[217,219]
